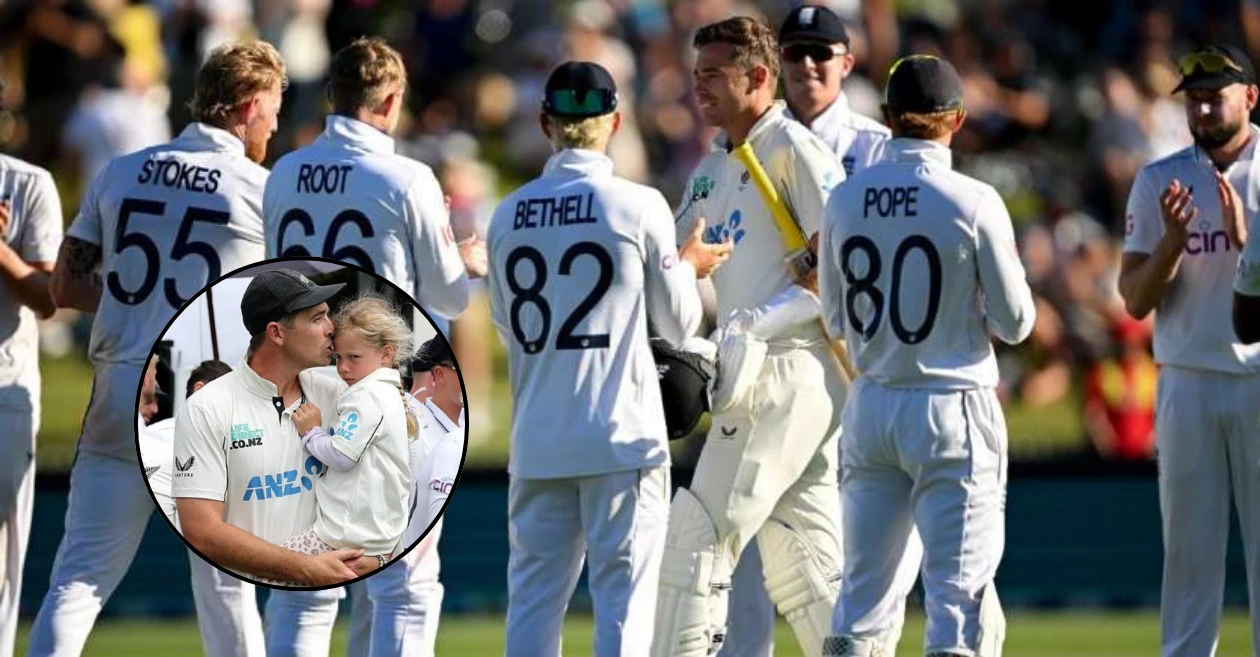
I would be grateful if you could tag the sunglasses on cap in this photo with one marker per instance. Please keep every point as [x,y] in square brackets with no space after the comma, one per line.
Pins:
[1208,62]
[591,102]
[818,52]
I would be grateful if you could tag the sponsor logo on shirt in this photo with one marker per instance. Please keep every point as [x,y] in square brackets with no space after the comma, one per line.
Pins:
[701,188]
[743,180]
[347,427]
[1207,241]
[149,472]
[668,261]
[182,468]
[441,486]
[732,230]
[243,436]
[283,484]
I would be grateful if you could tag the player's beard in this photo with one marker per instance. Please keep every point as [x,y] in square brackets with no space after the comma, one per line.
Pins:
[1213,137]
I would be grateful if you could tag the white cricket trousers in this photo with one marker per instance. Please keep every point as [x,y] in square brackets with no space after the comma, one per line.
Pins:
[935,459]
[227,612]
[617,521]
[406,604]
[300,623]
[768,469]
[109,509]
[17,497]
[1207,434]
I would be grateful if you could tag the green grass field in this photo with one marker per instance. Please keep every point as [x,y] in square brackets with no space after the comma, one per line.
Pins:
[1075,634]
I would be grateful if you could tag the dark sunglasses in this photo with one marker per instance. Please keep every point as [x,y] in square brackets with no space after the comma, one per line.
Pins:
[1208,62]
[797,52]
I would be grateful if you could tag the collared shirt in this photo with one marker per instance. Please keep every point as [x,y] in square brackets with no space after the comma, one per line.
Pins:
[1192,326]
[34,234]
[434,480]
[157,460]
[857,140]
[803,171]
[347,196]
[366,506]
[917,266]
[235,441]
[581,261]
[169,220]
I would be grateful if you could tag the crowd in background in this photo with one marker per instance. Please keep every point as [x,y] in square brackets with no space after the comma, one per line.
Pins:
[1066,101]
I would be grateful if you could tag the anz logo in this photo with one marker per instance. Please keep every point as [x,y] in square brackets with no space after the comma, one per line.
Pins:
[732,230]
[282,484]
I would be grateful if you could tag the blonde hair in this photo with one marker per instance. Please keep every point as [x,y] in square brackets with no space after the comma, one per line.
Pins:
[923,125]
[232,75]
[375,321]
[588,133]
[362,74]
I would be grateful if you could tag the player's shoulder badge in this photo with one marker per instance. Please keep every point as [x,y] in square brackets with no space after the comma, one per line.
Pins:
[149,471]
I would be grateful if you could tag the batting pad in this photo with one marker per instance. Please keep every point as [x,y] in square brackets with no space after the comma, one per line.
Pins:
[695,582]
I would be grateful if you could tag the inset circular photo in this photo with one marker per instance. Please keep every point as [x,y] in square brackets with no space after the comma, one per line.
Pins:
[300,423]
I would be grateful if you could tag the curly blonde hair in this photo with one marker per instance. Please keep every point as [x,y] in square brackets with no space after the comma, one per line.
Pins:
[375,321]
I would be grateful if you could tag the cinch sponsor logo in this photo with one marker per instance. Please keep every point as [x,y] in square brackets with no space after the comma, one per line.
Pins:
[243,436]
[1207,241]
[441,486]
[283,484]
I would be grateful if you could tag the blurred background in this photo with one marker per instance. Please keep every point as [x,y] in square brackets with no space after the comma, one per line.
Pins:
[1066,101]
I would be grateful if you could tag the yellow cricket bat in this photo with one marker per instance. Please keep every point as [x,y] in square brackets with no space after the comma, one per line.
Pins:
[800,259]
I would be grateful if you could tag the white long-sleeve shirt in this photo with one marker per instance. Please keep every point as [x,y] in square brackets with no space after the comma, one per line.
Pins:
[858,140]
[580,262]
[347,196]
[917,266]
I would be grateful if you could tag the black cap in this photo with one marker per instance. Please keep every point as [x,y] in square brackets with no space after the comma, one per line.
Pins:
[580,90]
[923,84]
[813,23]
[433,352]
[1200,77]
[276,293]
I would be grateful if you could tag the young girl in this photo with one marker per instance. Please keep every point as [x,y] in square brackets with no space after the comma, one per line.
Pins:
[362,500]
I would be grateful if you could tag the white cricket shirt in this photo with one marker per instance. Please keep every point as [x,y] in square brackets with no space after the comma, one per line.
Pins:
[858,140]
[34,234]
[157,459]
[800,167]
[169,220]
[366,506]
[236,442]
[1192,326]
[580,262]
[917,266]
[433,483]
[347,196]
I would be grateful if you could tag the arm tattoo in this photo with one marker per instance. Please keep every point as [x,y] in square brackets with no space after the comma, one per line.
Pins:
[81,257]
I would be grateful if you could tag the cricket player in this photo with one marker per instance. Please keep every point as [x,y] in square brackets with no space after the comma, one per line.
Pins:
[581,262]
[406,597]
[30,234]
[769,466]
[1181,253]
[917,269]
[814,53]
[159,224]
[349,197]
[227,610]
